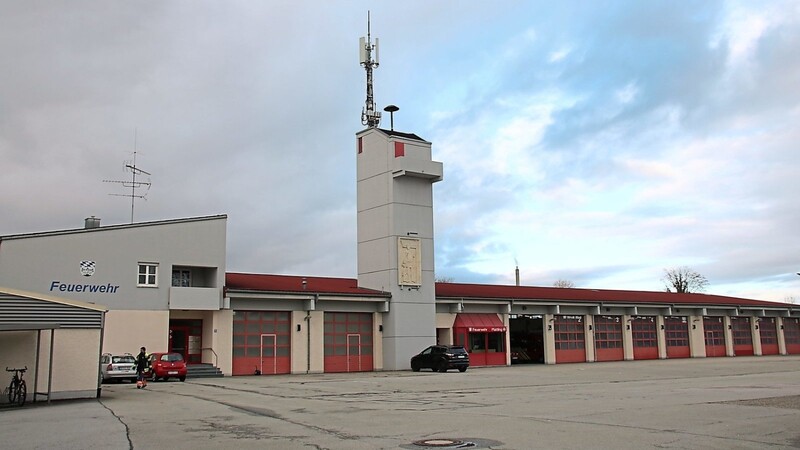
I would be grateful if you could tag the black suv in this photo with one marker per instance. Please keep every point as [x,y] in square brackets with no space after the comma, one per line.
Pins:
[441,358]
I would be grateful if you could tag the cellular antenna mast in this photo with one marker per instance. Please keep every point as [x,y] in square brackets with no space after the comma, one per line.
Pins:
[369,115]
[133,184]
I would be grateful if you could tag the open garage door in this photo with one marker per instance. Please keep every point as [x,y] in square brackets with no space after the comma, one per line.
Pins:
[768,328]
[742,336]
[570,339]
[608,338]
[714,330]
[791,333]
[645,337]
[676,332]
[526,339]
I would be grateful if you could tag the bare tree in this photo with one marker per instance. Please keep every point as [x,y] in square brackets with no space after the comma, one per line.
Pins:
[563,284]
[790,299]
[443,279]
[683,280]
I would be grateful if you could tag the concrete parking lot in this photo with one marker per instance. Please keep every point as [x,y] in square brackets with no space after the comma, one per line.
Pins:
[711,403]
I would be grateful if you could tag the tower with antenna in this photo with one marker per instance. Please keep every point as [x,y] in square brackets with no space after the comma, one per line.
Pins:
[395,174]
[133,184]
[370,116]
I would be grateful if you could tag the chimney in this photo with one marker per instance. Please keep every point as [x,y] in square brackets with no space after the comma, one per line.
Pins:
[516,272]
[92,222]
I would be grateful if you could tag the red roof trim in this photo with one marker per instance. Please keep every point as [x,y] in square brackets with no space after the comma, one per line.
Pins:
[462,291]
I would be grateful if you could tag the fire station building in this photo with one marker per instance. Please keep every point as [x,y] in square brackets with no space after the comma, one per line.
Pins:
[164,285]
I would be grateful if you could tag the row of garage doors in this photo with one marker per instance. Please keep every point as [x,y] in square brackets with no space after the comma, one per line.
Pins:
[570,339]
[262,342]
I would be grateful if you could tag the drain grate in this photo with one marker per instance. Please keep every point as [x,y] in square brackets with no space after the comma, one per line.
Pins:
[444,443]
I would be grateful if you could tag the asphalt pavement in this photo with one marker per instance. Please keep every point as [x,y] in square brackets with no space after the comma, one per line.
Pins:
[711,403]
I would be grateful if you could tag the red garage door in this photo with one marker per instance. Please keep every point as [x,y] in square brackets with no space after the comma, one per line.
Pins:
[645,339]
[570,339]
[676,331]
[608,338]
[348,342]
[768,328]
[714,328]
[742,336]
[261,342]
[791,333]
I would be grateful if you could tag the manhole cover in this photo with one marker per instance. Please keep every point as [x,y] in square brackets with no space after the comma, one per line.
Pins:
[444,443]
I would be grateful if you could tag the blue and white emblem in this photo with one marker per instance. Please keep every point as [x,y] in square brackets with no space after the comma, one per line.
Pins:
[87,268]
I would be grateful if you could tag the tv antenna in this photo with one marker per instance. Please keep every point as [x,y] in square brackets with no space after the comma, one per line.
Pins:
[369,116]
[133,184]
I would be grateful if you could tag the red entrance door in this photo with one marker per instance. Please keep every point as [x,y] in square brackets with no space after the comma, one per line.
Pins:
[645,339]
[742,336]
[791,333]
[768,328]
[714,336]
[676,331]
[608,338]
[570,339]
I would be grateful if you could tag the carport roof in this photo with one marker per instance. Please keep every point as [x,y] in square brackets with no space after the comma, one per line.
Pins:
[51,299]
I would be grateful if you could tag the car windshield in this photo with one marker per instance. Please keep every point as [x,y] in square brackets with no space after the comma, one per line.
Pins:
[172,357]
[122,359]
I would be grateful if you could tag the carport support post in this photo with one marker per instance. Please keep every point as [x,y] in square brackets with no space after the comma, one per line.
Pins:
[36,364]
[50,368]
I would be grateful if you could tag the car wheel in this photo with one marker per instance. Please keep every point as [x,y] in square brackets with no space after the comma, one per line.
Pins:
[462,369]
[443,366]
[415,366]
[182,378]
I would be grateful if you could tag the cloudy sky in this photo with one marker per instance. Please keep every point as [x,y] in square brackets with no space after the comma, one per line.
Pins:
[596,142]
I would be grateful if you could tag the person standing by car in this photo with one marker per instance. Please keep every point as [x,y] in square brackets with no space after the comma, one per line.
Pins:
[141,366]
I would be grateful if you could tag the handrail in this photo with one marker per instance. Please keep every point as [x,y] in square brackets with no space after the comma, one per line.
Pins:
[216,358]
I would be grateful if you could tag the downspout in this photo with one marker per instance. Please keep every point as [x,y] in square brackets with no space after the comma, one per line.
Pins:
[308,335]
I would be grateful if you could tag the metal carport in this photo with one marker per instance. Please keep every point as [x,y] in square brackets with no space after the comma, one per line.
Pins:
[22,312]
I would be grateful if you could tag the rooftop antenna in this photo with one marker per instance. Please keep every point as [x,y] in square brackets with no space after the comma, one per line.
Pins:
[369,116]
[133,184]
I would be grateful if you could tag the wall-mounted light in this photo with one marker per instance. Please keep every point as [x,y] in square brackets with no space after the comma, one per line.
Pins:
[694,327]
[662,326]
[756,327]
[730,327]
[549,327]
[590,328]
[781,327]
[298,327]
[380,328]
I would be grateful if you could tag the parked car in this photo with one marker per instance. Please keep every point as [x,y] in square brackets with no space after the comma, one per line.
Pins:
[167,365]
[440,358]
[117,367]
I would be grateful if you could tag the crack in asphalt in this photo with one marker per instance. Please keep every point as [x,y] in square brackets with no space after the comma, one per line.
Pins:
[271,414]
[127,429]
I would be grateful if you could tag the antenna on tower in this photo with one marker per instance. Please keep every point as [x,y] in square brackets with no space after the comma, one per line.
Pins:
[133,184]
[369,116]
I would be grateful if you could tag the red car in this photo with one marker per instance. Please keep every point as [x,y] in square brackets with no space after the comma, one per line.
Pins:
[166,366]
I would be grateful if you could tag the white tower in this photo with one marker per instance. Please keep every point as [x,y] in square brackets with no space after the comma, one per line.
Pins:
[395,237]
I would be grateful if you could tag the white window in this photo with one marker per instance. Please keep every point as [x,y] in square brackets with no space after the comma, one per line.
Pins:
[148,274]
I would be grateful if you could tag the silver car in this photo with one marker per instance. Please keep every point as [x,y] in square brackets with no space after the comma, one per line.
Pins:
[118,367]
